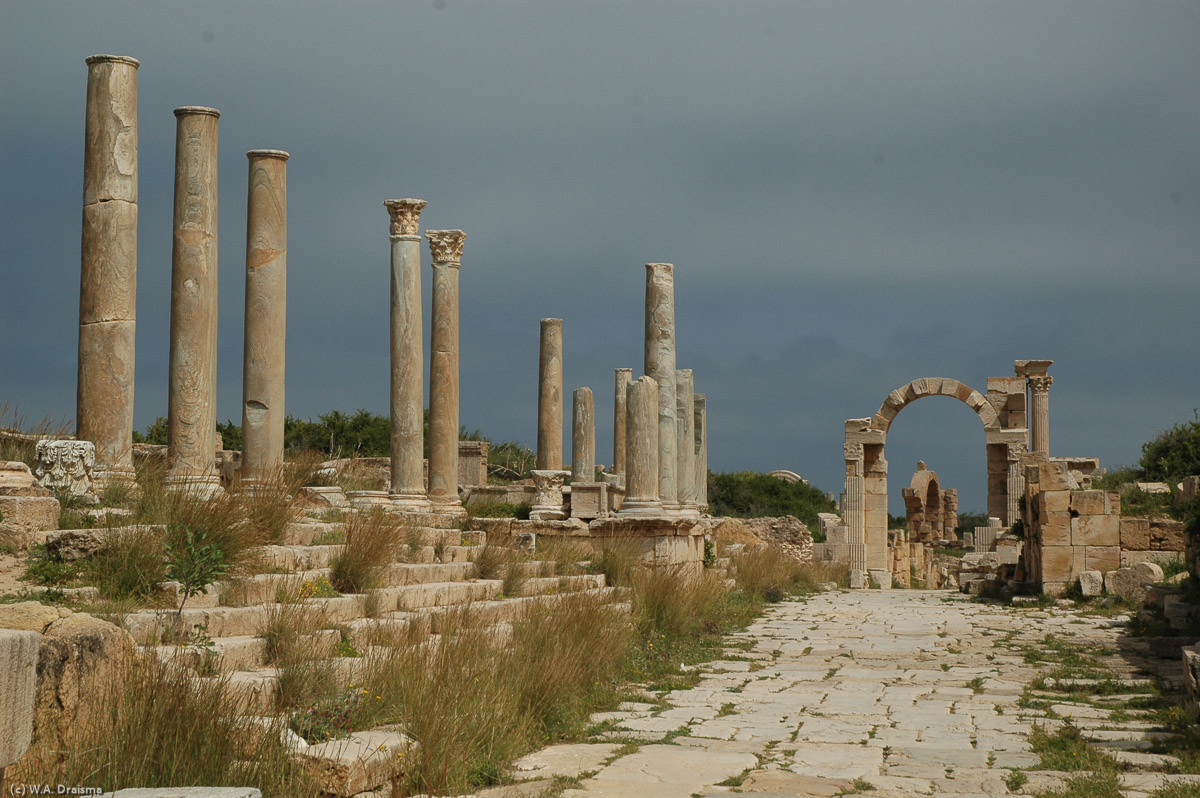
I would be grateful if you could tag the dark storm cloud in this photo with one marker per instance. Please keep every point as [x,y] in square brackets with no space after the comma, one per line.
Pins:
[854,194]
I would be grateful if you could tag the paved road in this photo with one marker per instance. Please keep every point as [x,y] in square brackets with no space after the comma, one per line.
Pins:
[913,692]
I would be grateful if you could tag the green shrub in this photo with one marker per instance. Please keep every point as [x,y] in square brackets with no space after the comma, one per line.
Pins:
[1174,454]
[748,494]
[130,564]
[501,510]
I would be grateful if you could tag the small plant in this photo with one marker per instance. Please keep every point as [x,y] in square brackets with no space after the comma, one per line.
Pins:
[194,561]
[489,562]
[200,641]
[47,569]
[317,588]
[345,648]
[710,553]
[372,541]
[329,720]
[515,576]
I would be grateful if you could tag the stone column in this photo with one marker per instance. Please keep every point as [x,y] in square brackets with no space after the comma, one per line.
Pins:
[685,448]
[854,506]
[641,451]
[583,437]
[407,389]
[700,414]
[266,317]
[1015,484]
[445,247]
[108,267]
[550,397]
[623,378]
[660,366]
[192,395]
[1039,390]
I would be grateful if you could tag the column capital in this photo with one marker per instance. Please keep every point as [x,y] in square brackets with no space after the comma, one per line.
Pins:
[1040,383]
[203,110]
[446,246]
[853,451]
[406,215]
[121,59]
[661,268]
[280,154]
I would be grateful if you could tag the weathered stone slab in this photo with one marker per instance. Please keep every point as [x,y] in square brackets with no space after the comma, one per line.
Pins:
[1091,583]
[1129,583]
[18,690]
[565,760]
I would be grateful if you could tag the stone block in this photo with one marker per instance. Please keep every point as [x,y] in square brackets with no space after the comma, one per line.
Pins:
[858,579]
[1096,530]
[1191,676]
[1057,563]
[15,477]
[1130,583]
[30,513]
[1091,583]
[881,577]
[1101,558]
[361,762]
[18,692]
[1135,534]
[1056,501]
[1054,588]
[1089,502]
[589,500]
[1057,533]
[1167,534]
[1055,476]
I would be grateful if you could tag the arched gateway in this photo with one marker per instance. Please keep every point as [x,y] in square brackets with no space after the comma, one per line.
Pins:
[1002,412]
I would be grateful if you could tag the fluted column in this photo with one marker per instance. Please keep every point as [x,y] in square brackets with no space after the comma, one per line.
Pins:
[192,395]
[1039,390]
[641,451]
[623,378]
[660,366]
[550,397]
[445,247]
[266,317]
[407,388]
[108,267]
[700,414]
[583,436]
[854,509]
[685,450]
[1015,484]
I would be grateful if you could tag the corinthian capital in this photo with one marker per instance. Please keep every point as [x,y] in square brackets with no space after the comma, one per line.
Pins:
[406,215]
[446,246]
[1041,384]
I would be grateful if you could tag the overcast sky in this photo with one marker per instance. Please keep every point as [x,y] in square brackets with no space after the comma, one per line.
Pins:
[854,194]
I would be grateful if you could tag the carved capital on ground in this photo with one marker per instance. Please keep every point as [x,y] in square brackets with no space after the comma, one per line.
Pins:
[406,215]
[446,246]
[1041,383]
[65,465]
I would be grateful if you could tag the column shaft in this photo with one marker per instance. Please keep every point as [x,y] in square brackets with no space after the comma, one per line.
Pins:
[446,249]
[583,437]
[266,316]
[192,395]
[685,431]
[700,413]
[641,450]
[407,353]
[623,378]
[108,266]
[660,366]
[550,396]
[1039,389]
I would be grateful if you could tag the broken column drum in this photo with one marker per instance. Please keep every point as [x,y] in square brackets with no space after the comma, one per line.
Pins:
[445,247]
[621,388]
[108,266]
[685,450]
[550,396]
[266,317]
[407,386]
[641,451]
[192,394]
[583,437]
[660,366]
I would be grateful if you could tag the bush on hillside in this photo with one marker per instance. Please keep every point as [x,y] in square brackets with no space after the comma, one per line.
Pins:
[749,494]
[1174,454]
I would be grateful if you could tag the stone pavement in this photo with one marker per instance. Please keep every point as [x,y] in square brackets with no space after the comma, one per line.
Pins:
[914,693]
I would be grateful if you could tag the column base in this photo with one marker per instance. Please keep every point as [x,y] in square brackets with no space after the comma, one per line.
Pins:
[366,499]
[202,486]
[410,503]
[452,507]
[689,510]
[547,512]
[116,477]
[641,508]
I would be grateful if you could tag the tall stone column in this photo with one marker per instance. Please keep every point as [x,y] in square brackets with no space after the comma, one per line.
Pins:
[108,267]
[854,506]
[660,366]
[445,247]
[192,395]
[1015,484]
[550,397]
[407,389]
[641,451]
[583,436]
[700,414]
[623,378]
[1039,390]
[266,317]
[685,432]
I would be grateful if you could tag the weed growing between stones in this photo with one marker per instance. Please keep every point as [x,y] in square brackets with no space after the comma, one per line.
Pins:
[372,541]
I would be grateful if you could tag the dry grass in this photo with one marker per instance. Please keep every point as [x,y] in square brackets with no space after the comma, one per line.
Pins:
[272,506]
[668,602]
[158,726]
[769,575]
[130,564]
[306,674]
[19,439]
[490,562]
[373,541]
[617,558]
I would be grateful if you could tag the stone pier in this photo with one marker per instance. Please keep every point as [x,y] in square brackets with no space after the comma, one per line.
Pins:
[407,387]
[700,414]
[583,437]
[108,267]
[266,317]
[660,366]
[641,451]
[445,247]
[550,397]
[623,378]
[192,395]
[685,433]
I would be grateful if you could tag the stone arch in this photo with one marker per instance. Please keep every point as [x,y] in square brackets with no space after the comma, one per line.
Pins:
[900,398]
[787,476]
